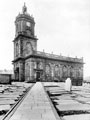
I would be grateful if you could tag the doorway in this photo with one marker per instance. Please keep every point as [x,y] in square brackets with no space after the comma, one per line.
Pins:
[17,74]
[38,76]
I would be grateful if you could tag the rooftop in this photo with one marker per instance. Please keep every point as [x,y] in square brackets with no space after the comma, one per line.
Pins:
[58,57]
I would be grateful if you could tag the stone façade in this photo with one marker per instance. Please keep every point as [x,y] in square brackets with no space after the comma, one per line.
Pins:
[31,65]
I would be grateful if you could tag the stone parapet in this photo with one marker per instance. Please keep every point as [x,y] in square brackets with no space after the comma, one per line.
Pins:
[58,57]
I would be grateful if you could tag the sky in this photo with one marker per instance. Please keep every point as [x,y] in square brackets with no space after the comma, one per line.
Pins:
[62,27]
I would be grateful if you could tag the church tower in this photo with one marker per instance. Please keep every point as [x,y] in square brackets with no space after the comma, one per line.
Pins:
[25,42]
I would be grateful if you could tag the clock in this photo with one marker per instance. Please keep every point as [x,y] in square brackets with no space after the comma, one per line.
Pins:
[28,24]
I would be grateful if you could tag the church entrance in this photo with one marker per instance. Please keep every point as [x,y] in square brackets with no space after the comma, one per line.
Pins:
[17,74]
[38,76]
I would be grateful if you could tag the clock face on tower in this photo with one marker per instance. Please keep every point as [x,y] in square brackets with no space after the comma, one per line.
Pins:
[28,24]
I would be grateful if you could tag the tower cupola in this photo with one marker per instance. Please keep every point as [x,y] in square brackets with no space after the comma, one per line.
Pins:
[25,23]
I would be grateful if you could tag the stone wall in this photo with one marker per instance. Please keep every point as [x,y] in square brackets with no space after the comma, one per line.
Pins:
[5,78]
[50,70]
[54,70]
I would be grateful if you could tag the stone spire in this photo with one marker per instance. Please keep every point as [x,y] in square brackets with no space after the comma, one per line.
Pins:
[24,9]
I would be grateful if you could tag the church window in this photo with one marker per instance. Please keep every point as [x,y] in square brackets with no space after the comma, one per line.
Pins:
[61,71]
[27,70]
[48,70]
[72,72]
[56,70]
[21,25]
[80,72]
[16,27]
[35,65]
[17,49]
[40,65]
[64,71]
[28,48]
[77,72]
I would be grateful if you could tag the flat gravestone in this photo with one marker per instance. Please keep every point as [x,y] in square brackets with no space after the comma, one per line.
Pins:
[4,107]
[7,102]
[77,117]
[73,107]
[66,101]
[9,96]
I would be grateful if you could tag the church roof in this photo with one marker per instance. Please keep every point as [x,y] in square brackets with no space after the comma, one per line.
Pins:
[57,57]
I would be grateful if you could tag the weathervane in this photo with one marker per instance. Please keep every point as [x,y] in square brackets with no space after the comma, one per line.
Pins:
[24,9]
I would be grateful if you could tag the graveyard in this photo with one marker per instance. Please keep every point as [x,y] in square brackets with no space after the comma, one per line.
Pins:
[10,96]
[44,101]
[73,105]
[44,86]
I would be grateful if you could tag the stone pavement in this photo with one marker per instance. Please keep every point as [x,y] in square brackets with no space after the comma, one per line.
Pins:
[35,106]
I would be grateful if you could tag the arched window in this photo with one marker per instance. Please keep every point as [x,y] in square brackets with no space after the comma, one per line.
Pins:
[80,72]
[17,27]
[28,48]
[52,70]
[17,49]
[77,73]
[27,71]
[48,70]
[68,70]
[40,65]
[56,70]
[61,72]
[71,72]
[64,71]
[35,65]
[21,25]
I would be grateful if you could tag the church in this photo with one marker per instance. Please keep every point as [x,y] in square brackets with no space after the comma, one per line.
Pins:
[31,65]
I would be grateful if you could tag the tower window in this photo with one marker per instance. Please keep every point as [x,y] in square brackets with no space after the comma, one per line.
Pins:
[17,49]
[28,48]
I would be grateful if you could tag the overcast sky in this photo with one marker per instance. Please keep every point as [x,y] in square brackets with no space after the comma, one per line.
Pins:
[62,26]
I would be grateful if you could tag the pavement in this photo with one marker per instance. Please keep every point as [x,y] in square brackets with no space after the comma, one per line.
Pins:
[35,106]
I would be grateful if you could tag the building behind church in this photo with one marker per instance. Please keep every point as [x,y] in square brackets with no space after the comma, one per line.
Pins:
[31,65]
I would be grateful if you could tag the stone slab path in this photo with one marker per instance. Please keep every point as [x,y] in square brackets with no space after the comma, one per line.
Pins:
[35,106]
